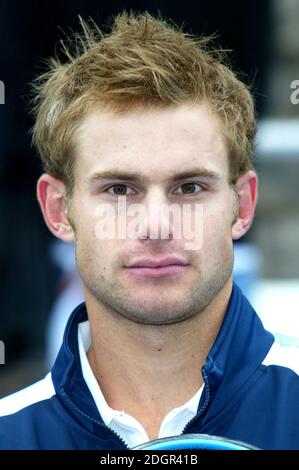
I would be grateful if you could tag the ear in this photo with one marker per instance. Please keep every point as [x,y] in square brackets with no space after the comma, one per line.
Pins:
[246,189]
[51,194]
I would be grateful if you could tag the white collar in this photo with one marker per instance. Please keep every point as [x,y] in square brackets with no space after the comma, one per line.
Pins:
[127,426]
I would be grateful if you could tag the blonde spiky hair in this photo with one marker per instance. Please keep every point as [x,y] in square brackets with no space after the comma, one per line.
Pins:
[142,61]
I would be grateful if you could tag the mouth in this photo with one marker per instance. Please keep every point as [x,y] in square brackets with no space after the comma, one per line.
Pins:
[154,268]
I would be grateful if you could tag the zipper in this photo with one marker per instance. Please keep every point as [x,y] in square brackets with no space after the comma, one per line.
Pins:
[95,421]
[206,390]
[115,434]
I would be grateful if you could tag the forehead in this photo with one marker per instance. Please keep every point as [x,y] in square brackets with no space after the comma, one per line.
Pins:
[152,142]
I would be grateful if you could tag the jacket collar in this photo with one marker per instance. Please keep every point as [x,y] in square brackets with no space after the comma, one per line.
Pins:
[67,375]
[241,345]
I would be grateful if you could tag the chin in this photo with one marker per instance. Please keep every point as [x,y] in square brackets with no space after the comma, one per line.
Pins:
[156,315]
[154,321]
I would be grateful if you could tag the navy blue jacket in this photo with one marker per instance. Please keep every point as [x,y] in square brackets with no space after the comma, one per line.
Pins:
[251,393]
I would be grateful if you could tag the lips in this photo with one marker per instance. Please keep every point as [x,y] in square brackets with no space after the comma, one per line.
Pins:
[158,263]
[153,268]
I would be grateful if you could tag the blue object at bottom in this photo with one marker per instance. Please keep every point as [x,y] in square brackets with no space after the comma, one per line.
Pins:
[195,441]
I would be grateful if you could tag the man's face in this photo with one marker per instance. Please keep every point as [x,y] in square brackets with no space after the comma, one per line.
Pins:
[154,158]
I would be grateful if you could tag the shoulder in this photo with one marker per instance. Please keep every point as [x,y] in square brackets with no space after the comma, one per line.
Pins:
[37,392]
[284,352]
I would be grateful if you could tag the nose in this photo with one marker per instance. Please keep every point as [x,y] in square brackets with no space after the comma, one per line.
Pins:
[157,223]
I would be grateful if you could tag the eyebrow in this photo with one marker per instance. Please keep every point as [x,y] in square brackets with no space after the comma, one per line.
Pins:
[134,177]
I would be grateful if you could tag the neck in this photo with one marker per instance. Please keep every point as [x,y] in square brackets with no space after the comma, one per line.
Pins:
[148,370]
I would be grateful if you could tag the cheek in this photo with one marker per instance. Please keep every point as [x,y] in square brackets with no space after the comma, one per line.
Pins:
[96,259]
[218,223]
[217,237]
[96,247]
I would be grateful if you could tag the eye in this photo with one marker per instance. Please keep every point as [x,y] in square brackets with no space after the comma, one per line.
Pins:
[189,188]
[119,190]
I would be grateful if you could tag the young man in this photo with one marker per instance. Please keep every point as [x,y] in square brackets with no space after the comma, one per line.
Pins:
[142,119]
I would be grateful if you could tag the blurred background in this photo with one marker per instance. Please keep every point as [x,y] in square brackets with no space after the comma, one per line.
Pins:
[39,286]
